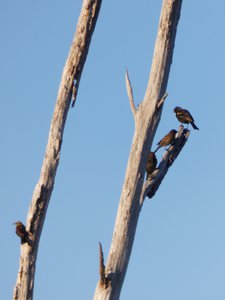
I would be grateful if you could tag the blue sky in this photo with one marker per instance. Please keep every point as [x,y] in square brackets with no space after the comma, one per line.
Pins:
[179,249]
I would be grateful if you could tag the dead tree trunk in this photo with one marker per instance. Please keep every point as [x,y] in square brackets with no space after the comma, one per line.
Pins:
[42,193]
[146,118]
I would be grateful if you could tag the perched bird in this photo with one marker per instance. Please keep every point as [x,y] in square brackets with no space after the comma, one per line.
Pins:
[167,140]
[151,163]
[184,116]
[21,232]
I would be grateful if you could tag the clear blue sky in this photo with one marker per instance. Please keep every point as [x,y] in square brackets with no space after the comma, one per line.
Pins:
[179,249]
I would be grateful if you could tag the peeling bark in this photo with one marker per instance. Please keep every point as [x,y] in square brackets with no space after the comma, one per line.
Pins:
[42,193]
[147,117]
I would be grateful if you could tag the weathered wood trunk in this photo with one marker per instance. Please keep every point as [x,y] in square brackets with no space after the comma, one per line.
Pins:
[42,193]
[147,117]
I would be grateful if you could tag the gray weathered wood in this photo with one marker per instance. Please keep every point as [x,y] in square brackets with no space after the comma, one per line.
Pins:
[130,94]
[42,193]
[147,117]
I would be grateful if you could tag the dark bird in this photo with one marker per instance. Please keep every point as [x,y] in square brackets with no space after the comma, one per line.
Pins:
[21,232]
[151,163]
[184,116]
[167,140]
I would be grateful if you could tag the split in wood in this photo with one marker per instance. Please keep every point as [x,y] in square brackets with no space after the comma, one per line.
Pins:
[103,280]
[74,95]
[74,92]
[161,101]
[151,186]
[130,94]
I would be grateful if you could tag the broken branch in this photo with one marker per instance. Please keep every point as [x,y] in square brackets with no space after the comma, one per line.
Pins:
[152,184]
[130,94]
[102,267]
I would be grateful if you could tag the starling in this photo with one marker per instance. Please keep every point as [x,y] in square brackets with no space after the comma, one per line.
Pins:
[184,116]
[167,140]
[21,232]
[151,163]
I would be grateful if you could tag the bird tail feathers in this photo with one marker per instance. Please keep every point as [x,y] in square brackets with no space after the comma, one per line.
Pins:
[194,126]
[157,149]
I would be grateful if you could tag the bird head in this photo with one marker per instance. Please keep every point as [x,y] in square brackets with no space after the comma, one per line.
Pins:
[18,223]
[173,131]
[151,153]
[177,108]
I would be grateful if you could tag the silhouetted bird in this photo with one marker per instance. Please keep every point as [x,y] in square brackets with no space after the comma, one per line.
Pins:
[151,164]
[21,232]
[167,140]
[184,116]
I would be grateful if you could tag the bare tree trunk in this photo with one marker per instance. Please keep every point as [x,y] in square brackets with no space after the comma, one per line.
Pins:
[147,117]
[42,193]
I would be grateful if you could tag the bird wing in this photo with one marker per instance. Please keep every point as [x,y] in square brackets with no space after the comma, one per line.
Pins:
[189,116]
[185,113]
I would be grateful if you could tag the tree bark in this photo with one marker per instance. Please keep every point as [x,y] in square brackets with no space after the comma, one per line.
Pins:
[42,192]
[147,117]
